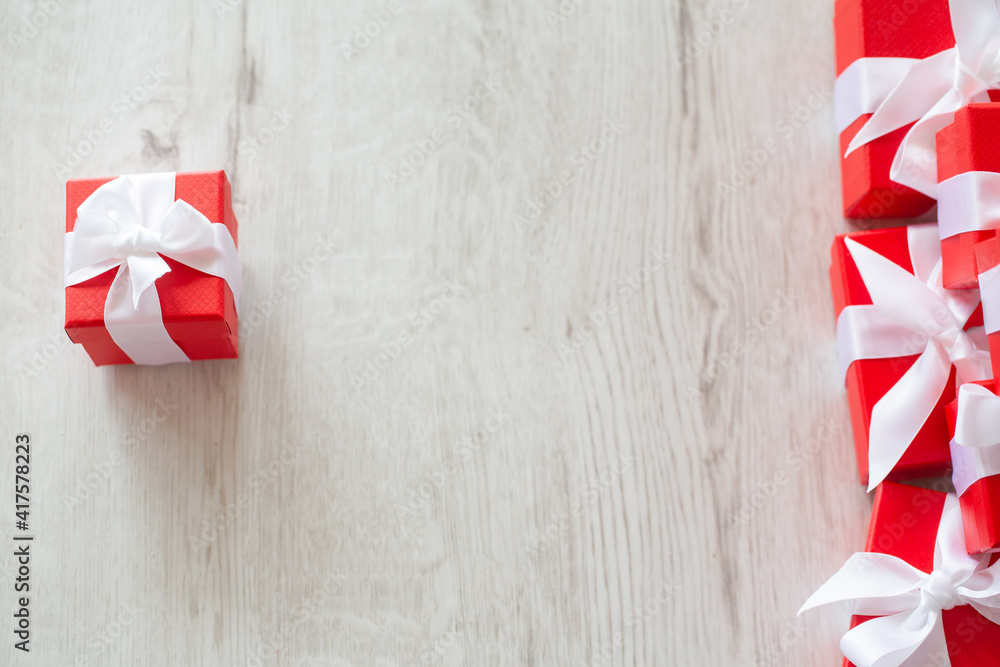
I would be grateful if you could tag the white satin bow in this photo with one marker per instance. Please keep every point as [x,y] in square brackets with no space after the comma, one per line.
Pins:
[925,92]
[908,602]
[910,314]
[128,223]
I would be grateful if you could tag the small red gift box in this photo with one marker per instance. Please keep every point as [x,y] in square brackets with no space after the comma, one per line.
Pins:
[980,502]
[198,309]
[868,380]
[988,265]
[968,163]
[904,523]
[883,29]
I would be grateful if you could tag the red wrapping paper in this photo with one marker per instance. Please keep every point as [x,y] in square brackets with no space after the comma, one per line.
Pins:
[904,524]
[868,380]
[199,312]
[981,502]
[970,143]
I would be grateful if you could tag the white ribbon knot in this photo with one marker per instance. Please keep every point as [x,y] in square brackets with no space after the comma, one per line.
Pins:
[136,240]
[938,592]
[128,223]
[910,314]
[928,92]
[909,602]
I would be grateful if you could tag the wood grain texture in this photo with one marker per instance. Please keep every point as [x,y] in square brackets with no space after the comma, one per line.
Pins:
[523,381]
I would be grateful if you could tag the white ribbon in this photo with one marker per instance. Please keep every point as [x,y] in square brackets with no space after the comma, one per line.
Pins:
[863,86]
[989,288]
[127,224]
[975,450]
[908,602]
[927,93]
[968,202]
[910,314]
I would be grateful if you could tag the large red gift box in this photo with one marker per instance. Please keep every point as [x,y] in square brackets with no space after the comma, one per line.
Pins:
[868,380]
[904,524]
[981,501]
[199,311]
[969,144]
[881,28]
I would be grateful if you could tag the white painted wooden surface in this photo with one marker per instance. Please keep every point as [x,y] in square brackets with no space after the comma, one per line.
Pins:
[547,468]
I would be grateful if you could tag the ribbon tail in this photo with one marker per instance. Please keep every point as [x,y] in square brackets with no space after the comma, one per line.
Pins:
[889,641]
[877,579]
[901,412]
[915,163]
[144,270]
[916,93]
[136,325]
[933,651]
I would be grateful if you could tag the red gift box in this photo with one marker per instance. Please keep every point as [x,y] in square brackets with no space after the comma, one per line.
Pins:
[877,43]
[868,380]
[881,28]
[966,149]
[199,310]
[988,266]
[904,524]
[981,501]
